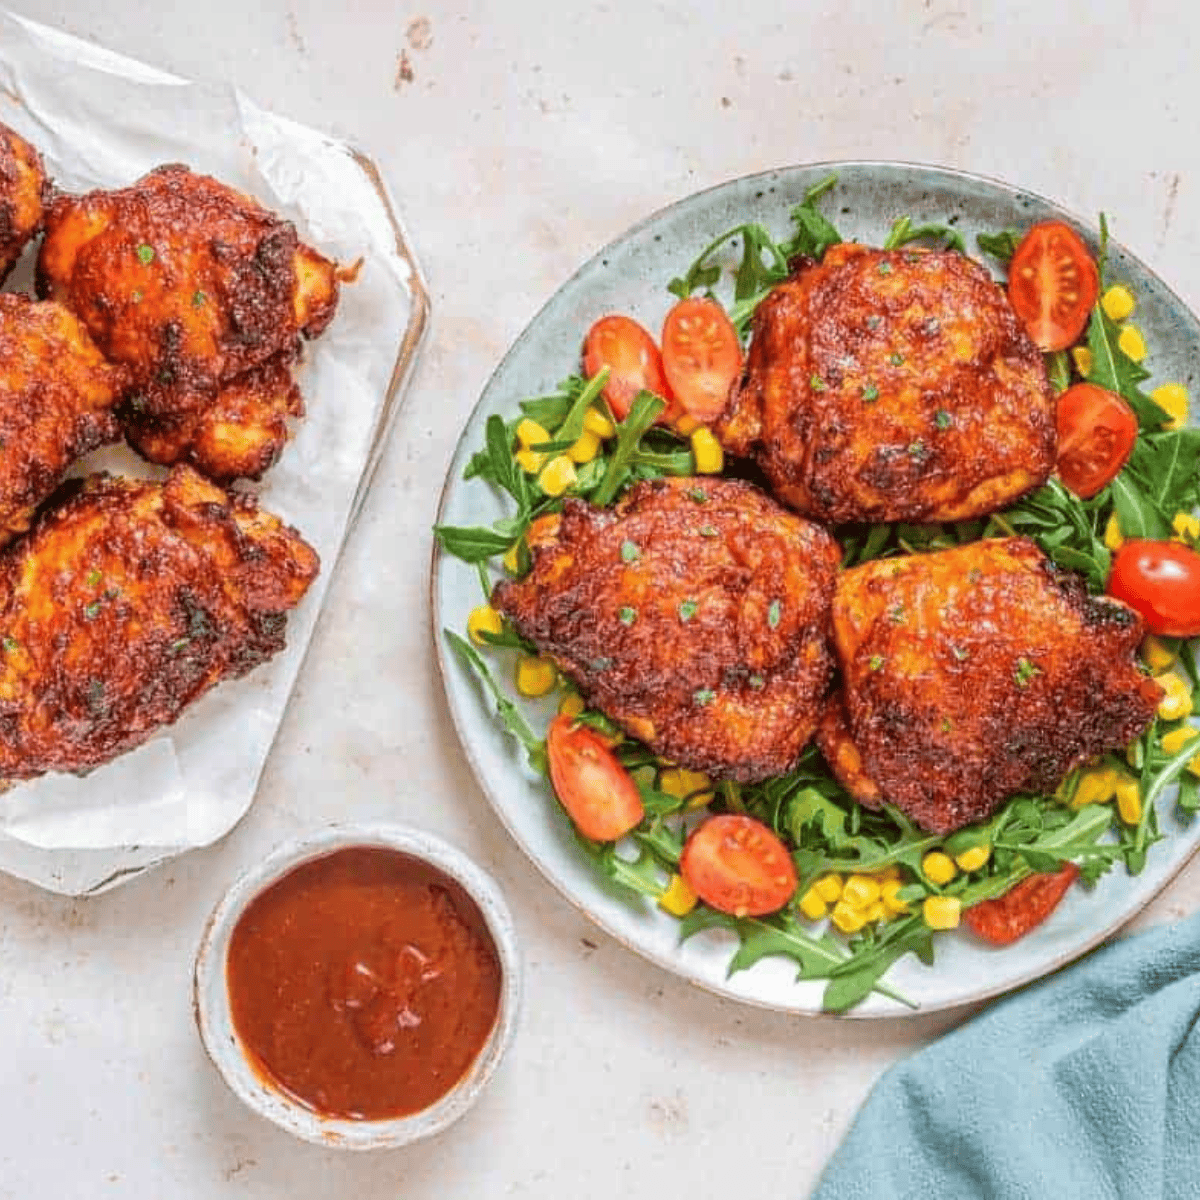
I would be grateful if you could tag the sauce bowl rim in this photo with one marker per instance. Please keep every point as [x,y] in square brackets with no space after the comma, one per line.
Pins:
[210,997]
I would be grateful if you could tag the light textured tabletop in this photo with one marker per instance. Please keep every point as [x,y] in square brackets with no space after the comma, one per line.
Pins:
[517,139]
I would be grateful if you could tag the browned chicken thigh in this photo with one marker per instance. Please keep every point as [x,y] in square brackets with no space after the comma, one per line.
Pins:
[56,403]
[694,613]
[973,674]
[190,285]
[892,386]
[24,191]
[128,600]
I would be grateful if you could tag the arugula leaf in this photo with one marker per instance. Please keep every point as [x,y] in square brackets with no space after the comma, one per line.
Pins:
[472,544]
[853,980]
[1001,246]
[642,414]
[903,232]
[508,712]
[814,233]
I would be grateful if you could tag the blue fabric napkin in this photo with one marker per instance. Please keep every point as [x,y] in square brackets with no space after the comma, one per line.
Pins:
[1086,1084]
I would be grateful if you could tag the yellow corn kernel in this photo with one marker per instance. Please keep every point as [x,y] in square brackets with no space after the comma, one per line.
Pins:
[1131,343]
[1083,360]
[1172,398]
[860,891]
[1096,786]
[530,433]
[512,559]
[1177,699]
[1186,526]
[557,475]
[1117,302]
[535,675]
[1175,741]
[484,619]
[1114,539]
[876,912]
[529,461]
[1156,654]
[942,912]
[706,450]
[1129,800]
[686,425]
[585,447]
[682,783]
[594,421]
[890,900]
[938,868]
[847,918]
[572,705]
[829,888]
[812,906]
[678,899]
[973,859]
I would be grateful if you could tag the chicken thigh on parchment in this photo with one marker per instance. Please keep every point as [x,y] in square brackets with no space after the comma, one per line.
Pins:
[24,191]
[694,613]
[972,674]
[126,601]
[191,286]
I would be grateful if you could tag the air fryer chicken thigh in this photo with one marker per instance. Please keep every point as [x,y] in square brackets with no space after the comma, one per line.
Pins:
[973,674]
[892,386]
[190,285]
[694,613]
[56,403]
[24,191]
[126,601]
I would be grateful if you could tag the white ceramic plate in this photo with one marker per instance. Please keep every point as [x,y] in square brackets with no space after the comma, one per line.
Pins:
[630,276]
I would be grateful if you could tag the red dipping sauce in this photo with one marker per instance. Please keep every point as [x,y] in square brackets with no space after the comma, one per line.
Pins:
[363,983]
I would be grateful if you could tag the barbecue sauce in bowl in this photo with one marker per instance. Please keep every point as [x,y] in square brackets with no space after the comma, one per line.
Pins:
[363,983]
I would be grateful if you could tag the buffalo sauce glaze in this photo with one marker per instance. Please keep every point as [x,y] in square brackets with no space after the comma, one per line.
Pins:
[363,983]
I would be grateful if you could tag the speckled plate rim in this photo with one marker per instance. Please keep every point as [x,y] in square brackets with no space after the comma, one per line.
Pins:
[617,277]
[210,999]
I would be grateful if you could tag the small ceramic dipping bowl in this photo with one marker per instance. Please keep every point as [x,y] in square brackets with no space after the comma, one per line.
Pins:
[355,985]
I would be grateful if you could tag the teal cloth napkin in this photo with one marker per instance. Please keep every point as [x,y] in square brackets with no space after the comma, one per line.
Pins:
[1086,1085]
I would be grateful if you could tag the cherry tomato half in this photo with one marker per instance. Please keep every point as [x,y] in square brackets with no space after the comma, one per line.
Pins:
[1052,284]
[597,792]
[1161,581]
[1022,908]
[737,865]
[633,361]
[702,357]
[1096,433]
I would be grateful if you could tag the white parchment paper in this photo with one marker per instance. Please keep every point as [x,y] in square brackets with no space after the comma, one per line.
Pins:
[100,120]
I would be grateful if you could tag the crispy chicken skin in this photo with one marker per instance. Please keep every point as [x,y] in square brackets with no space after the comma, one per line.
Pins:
[191,285]
[892,386]
[238,432]
[973,674]
[56,403]
[128,600]
[694,613]
[24,191]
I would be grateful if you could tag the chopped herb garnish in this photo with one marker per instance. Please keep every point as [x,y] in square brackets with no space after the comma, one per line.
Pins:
[875,662]
[917,450]
[1025,672]
[145,254]
[11,644]
[774,612]
[687,610]
[699,495]
[198,299]
[630,551]
[947,725]
[600,664]
[704,696]
[136,296]
[627,615]
[942,419]
[897,614]
[179,644]
[757,682]
[961,653]
[93,609]
[884,268]
[94,577]
[897,360]
[874,321]
[870,392]
[816,383]
[708,531]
